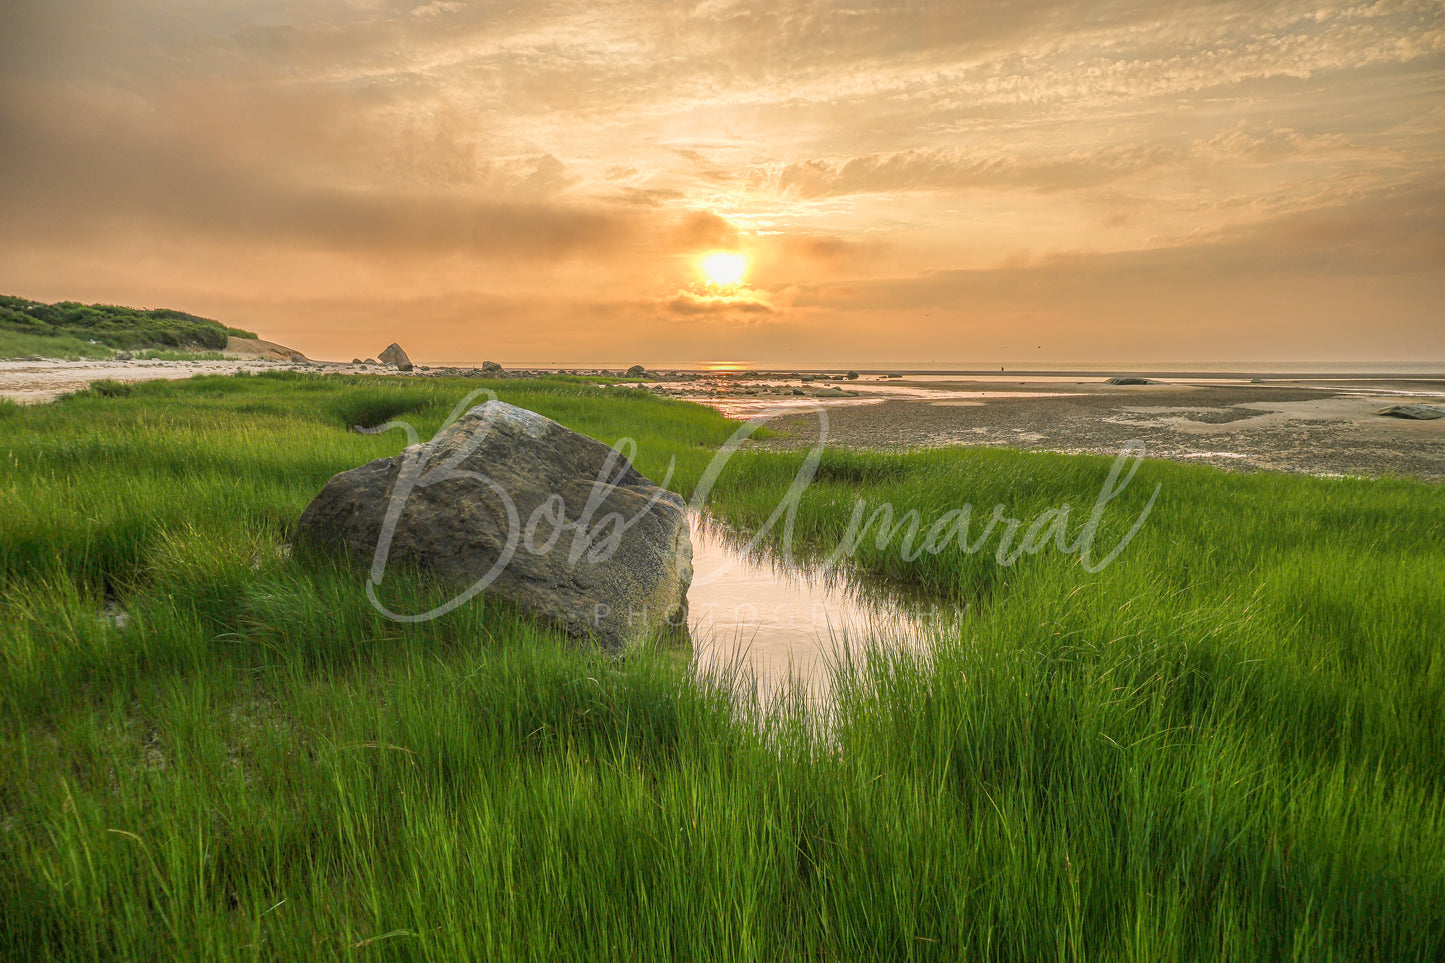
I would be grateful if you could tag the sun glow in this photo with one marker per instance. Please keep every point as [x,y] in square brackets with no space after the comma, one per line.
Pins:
[724,269]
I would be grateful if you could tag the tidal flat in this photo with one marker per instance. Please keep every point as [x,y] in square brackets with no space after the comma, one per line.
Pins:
[1228,743]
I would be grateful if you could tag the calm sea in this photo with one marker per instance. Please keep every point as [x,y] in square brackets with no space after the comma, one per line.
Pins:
[1163,369]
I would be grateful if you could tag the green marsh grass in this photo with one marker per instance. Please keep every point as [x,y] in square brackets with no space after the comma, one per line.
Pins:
[166,354]
[1225,745]
[21,345]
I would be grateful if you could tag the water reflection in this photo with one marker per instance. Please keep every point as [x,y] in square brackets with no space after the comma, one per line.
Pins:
[756,620]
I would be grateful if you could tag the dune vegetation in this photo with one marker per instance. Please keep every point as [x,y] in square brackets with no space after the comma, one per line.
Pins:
[1226,744]
[70,330]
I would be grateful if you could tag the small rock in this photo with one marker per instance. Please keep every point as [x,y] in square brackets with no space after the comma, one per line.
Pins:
[1413,412]
[636,371]
[1126,381]
[115,617]
[852,376]
[357,361]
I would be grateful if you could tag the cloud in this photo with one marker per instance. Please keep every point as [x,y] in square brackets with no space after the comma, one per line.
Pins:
[705,168]
[549,176]
[1376,238]
[991,166]
[64,179]
[744,301]
[704,229]
[435,9]
[880,156]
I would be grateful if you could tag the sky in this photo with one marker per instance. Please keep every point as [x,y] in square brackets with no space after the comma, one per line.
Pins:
[914,181]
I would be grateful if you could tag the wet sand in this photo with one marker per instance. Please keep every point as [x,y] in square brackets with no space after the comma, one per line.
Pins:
[1325,428]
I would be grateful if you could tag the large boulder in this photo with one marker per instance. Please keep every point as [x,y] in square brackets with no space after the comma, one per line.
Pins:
[394,356]
[636,371]
[553,520]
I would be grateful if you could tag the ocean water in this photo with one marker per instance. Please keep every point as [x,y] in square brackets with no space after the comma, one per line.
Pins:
[1016,368]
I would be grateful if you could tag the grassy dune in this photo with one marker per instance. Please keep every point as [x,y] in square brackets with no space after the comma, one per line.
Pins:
[18,344]
[72,330]
[1227,744]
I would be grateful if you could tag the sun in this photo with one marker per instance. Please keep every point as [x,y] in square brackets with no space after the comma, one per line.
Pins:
[724,269]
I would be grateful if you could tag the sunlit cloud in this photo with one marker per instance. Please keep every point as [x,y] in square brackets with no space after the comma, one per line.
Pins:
[705,303]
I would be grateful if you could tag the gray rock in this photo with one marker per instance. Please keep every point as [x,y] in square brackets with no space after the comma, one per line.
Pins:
[491,366]
[618,568]
[356,361]
[636,371]
[373,362]
[830,393]
[1129,381]
[852,376]
[114,617]
[396,357]
[1413,412]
